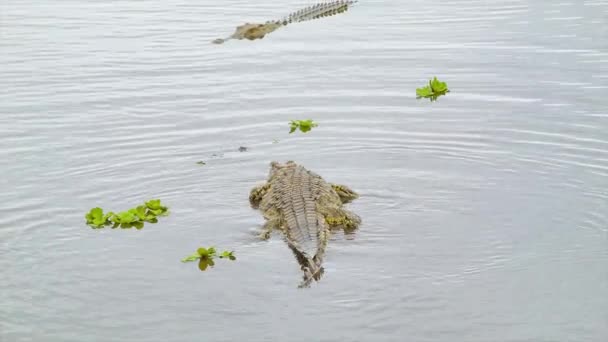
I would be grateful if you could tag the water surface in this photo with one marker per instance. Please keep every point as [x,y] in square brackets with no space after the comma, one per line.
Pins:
[485,213]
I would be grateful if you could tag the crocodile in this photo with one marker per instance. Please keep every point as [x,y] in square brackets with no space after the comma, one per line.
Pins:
[306,209]
[258,31]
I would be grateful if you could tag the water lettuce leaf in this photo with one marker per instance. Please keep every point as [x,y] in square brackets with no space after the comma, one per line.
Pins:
[96,218]
[424,92]
[201,253]
[438,86]
[432,91]
[206,252]
[143,213]
[124,217]
[227,254]
[303,125]
[191,257]
[156,208]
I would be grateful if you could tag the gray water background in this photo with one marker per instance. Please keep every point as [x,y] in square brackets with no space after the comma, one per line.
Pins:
[485,214]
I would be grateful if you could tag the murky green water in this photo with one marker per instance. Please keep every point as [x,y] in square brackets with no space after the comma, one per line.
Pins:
[485,213]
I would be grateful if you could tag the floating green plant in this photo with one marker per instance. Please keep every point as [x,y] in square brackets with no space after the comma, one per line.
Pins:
[303,125]
[435,89]
[200,253]
[227,254]
[205,257]
[134,217]
[200,162]
[96,218]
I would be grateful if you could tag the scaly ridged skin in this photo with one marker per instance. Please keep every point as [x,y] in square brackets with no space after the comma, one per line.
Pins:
[295,190]
[305,208]
[317,11]
[258,31]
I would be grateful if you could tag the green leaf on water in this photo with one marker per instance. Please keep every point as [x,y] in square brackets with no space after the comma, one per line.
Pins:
[438,86]
[156,208]
[124,217]
[435,89]
[200,162]
[303,125]
[154,204]
[424,91]
[139,212]
[206,252]
[96,218]
[94,214]
[206,256]
[228,254]
[192,257]
[143,213]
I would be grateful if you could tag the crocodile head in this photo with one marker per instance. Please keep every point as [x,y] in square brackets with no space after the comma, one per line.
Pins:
[255,31]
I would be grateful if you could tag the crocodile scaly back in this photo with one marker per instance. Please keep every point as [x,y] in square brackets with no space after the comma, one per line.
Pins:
[295,193]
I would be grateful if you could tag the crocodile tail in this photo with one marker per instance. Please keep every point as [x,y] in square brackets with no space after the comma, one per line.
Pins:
[312,271]
[312,268]
[319,10]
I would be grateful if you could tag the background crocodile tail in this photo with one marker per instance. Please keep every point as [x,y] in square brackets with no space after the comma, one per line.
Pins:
[319,10]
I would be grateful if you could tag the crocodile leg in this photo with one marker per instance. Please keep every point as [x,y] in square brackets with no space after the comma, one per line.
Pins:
[338,218]
[257,193]
[268,227]
[345,193]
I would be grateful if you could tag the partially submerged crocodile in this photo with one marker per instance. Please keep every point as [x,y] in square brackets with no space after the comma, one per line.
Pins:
[258,31]
[306,208]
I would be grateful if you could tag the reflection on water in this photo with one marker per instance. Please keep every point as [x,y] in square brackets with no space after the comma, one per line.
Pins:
[484,213]
[203,263]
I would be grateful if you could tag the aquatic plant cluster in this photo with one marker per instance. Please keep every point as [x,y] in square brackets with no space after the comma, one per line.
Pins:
[303,125]
[135,217]
[205,257]
[432,91]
